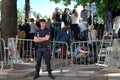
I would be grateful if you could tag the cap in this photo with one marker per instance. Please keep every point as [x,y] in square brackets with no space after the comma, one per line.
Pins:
[42,20]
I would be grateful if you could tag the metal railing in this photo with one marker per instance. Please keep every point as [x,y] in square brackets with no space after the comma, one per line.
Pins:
[3,59]
[92,46]
[60,54]
[22,51]
[110,57]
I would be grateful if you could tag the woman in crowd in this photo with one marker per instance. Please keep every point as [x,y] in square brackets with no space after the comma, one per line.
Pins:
[74,24]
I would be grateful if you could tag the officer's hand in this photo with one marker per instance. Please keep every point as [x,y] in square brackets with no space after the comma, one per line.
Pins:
[36,39]
[44,38]
[47,37]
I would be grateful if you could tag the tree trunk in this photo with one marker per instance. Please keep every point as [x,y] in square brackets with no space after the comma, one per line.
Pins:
[27,9]
[9,19]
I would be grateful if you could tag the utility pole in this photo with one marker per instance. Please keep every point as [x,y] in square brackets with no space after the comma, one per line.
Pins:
[92,13]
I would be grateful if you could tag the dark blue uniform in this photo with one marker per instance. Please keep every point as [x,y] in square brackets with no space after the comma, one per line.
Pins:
[42,50]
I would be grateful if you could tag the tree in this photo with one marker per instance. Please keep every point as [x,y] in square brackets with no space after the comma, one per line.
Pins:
[0,4]
[9,18]
[27,9]
[20,16]
[34,13]
[102,5]
[0,11]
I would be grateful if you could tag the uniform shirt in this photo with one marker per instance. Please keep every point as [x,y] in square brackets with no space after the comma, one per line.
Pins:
[42,33]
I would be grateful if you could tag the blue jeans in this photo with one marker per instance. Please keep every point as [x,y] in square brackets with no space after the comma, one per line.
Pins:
[85,34]
[57,26]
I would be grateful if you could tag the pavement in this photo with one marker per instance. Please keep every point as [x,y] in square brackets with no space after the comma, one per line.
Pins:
[72,72]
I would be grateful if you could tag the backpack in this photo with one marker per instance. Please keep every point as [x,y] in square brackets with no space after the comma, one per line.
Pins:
[64,17]
[57,16]
[26,28]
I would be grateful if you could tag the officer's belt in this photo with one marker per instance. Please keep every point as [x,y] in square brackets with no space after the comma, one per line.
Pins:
[42,46]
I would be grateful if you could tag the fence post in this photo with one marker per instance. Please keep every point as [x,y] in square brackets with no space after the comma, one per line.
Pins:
[0,33]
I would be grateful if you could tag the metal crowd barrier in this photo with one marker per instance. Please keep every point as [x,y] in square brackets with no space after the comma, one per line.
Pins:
[84,59]
[113,54]
[3,59]
[59,54]
[110,57]
[22,51]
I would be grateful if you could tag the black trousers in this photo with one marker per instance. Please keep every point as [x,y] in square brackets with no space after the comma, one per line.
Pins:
[75,30]
[42,52]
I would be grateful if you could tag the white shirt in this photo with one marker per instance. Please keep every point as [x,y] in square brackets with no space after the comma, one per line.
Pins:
[75,20]
[116,24]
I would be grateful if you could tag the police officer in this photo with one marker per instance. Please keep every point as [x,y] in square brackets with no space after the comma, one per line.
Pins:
[41,40]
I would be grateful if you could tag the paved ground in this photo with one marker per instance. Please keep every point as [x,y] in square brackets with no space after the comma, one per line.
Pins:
[75,72]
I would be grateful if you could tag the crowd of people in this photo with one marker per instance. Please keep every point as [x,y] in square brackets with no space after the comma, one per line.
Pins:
[77,27]
[76,24]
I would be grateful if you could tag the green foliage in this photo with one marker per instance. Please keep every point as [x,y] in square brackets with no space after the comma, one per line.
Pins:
[0,4]
[102,5]
[57,1]
[45,17]
[101,8]
[34,13]
[19,17]
[118,5]
[66,2]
